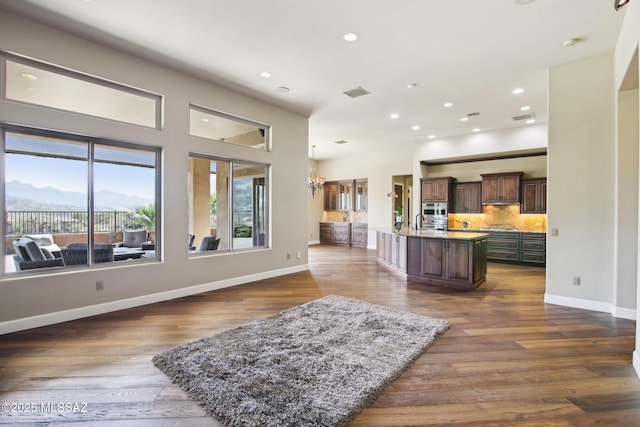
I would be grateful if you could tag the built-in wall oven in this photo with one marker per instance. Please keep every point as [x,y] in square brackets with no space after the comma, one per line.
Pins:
[435,215]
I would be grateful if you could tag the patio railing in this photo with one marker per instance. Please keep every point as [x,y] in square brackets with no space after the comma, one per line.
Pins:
[35,222]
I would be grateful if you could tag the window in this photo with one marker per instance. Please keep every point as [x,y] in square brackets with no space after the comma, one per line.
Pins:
[82,201]
[224,128]
[41,84]
[228,204]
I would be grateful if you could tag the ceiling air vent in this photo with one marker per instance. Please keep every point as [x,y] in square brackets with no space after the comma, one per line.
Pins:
[354,93]
[342,141]
[473,114]
[525,117]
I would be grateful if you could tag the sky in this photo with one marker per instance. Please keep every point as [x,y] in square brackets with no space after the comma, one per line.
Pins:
[71,175]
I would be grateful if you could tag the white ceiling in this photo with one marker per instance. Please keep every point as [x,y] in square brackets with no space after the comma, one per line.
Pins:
[469,52]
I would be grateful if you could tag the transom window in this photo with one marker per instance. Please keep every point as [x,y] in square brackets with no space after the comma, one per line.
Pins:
[222,127]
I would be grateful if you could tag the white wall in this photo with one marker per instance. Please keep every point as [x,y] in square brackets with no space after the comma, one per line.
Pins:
[626,48]
[378,168]
[581,190]
[32,301]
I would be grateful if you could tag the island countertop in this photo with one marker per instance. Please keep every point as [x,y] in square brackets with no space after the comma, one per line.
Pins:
[435,234]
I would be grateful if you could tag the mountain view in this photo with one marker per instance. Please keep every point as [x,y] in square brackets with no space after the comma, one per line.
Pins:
[21,196]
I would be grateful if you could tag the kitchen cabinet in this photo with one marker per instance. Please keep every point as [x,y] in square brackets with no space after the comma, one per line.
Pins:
[437,190]
[361,194]
[503,246]
[533,248]
[391,250]
[467,197]
[359,234]
[346,195]
[501,188]
[335,233]
[534,196]
[326,233]
[453,263]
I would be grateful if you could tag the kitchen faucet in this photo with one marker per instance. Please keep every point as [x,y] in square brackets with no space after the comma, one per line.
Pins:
[421,220]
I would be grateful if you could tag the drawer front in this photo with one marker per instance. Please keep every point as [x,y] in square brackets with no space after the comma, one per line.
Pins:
[538,257]
[498,254]
[534,236]
[535,245]
[502,243]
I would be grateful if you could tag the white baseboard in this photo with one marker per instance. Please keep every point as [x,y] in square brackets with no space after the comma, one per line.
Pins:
[92,310]
[314,242]
[579,303]
[636,362]
[621,312]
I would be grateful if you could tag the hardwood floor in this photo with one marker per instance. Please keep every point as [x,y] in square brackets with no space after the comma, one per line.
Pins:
[507,359]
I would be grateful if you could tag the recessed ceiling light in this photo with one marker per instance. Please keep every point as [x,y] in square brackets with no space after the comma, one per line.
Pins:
[432,136]
[464,119]
[525,108]
[517,91]
[531,121]
[394,115]
[265,74]
[415,127]
[476,129]
[350,37]
[521,2]
[29,76]
[282,89]
[204,119]
[448,104]
[412,85]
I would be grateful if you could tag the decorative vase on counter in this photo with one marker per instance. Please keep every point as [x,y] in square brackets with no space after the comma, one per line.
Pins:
[398,225]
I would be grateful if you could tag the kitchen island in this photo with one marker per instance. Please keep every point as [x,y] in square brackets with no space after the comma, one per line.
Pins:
[453,259]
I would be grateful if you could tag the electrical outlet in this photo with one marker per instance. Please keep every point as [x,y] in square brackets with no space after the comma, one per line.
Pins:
[288,256]
[554,231]
[298,255]
[576,280]
[99,285]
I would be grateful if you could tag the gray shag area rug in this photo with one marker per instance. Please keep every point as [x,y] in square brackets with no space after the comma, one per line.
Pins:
[317,364]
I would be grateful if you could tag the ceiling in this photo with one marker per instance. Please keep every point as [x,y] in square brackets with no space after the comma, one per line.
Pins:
[471,53]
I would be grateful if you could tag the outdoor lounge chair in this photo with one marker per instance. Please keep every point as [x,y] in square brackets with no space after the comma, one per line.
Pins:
[133,238]
[29,255]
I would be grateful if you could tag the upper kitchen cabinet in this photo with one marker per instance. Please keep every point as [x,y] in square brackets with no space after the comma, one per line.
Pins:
[361,193]
[501,188]
[345,195]
[437,190]
[534,196]
[467,197]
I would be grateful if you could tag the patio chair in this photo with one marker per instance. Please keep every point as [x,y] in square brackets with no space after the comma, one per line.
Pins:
[45,241]
[209,243]
[76,253]
[133,238]
[30,256]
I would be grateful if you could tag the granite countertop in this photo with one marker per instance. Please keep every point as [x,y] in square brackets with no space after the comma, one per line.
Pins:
[486,230]
[435,234]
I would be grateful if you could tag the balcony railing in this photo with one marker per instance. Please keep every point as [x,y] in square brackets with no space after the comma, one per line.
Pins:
[35,222]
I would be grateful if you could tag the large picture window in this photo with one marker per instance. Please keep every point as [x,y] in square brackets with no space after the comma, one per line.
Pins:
[73,201]
[228,204]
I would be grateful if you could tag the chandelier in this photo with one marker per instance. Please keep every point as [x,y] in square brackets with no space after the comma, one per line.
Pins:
[315,182]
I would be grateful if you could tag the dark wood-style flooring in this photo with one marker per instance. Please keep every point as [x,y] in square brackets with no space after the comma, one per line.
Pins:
[508,358]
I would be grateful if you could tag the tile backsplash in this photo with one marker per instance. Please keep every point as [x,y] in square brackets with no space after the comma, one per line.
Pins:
[346,216]
[500,216]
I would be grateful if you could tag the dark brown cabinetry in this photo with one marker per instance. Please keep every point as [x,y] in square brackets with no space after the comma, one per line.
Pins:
[467,197]
[501,188]
[458,264]
[344,234]
[437,190]
[534,196]
[345,195]
[503,246]
[335,233]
